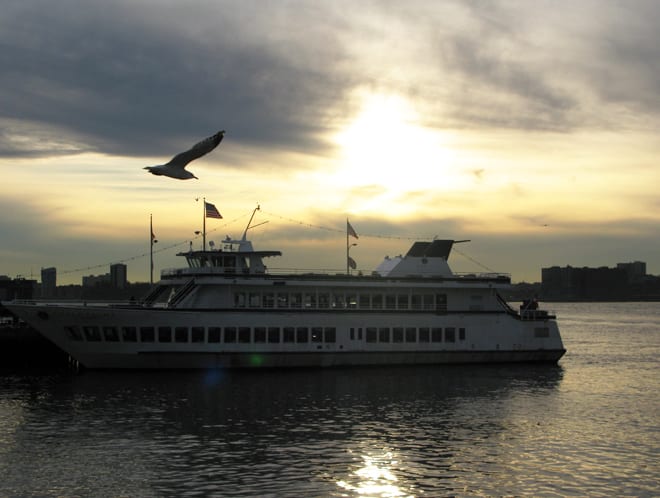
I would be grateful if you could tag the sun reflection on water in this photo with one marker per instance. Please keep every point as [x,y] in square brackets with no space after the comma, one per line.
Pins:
[375,477]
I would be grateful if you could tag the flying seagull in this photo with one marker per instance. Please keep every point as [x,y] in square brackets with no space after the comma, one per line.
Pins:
[176,168]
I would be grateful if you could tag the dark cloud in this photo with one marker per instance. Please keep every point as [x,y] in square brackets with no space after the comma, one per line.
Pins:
[134,78]
[123,85]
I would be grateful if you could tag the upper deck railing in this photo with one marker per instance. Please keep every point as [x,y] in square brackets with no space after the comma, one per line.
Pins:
[323,273]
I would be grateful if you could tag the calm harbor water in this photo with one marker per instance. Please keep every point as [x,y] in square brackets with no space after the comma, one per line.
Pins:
[588,427]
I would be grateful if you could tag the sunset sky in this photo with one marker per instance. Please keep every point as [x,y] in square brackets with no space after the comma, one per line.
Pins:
[530,127]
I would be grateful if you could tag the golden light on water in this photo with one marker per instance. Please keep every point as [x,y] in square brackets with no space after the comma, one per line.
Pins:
[375,477]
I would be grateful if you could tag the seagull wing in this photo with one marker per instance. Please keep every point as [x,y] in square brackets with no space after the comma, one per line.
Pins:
[196,151]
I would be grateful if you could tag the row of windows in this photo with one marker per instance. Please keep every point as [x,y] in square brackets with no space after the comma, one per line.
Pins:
[409,334]
[327,300]
[272,335]
[166,334]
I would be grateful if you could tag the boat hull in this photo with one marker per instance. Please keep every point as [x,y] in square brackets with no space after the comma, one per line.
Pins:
[192,361]
[92,335]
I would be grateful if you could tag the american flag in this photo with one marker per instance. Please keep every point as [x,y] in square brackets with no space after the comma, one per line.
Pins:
[212,211]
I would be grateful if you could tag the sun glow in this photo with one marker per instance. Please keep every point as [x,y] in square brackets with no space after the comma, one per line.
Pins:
[386,146]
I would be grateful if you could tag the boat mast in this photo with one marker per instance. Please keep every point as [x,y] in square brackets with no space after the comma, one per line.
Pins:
[203,223]
[258,208]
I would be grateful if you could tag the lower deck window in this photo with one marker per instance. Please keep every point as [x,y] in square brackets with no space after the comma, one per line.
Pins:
[424,334]
[164,334]
[330,334]
[92,333]
[372,334]
[397,334]
[110,334]
[147,334]
[411,334]
[317,334]
[450,334]
[129,334]
[198,334]
[384,334]
[181,334]
[244,334]
[289,334]
[302,334]
[214,334]
[273,335]
[436,334]
[73,333]
[231,334]
[259,334]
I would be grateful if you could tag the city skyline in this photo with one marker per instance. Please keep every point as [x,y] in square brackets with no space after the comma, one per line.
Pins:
[529,128]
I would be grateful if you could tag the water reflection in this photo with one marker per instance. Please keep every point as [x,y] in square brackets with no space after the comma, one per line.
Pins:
[359,432]
[375,477]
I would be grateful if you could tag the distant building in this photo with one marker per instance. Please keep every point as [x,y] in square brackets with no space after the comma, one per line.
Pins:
[48,282]
[118,276]
[636,271]
[94,280]
[18,288]
[602,283]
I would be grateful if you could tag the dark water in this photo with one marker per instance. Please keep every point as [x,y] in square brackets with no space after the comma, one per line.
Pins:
[589,427]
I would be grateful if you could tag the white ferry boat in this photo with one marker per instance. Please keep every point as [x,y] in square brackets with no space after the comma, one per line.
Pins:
[225,310]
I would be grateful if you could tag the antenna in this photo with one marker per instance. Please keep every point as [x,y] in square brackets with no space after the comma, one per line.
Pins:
[258,208]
